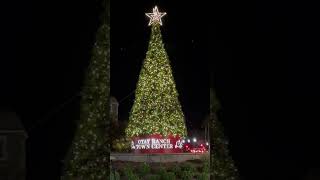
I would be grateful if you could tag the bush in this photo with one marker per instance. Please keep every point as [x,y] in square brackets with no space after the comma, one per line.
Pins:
[154,177]
[128,171]
[144,169]
[114,175]
[162,171]
[177,170]
[132,176]
[188,167]
[168,176]
[206,167]
[187,175]
[203,176]
[128,168]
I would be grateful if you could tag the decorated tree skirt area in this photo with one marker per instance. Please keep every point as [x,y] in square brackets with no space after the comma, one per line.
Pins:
[188,170]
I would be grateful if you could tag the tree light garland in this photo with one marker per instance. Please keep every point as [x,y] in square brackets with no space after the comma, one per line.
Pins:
[156,109]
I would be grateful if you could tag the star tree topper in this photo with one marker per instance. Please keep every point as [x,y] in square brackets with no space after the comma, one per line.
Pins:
[155,16]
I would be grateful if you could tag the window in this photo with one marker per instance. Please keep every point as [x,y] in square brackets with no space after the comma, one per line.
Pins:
[3,148]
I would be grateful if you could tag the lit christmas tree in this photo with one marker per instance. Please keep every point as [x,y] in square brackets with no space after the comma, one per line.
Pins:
[156,109]
[90,150]
[221,163]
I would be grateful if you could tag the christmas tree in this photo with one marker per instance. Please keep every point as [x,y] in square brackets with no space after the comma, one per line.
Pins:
[221,164]
[156,109]
[90,151]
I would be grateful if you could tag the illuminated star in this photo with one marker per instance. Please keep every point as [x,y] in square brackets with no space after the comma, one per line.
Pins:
[155,16]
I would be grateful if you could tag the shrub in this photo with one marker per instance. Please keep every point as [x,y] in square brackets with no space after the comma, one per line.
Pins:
[162,171]
[144,169]
[154,177]
[177,170]
[128,171]
[168,176]
[206,167]
[203,176]
[132,176]
[114,175]
[117,175]
[187,175]
[188,167]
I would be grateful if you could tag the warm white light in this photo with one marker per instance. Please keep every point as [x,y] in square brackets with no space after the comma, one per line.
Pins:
[207,144]
[155,16]
[194,140]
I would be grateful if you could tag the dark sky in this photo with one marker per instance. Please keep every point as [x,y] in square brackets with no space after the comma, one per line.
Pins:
[264,57]
[265,73]
[45,48]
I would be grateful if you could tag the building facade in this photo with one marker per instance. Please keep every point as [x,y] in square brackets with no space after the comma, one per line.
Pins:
[12,147]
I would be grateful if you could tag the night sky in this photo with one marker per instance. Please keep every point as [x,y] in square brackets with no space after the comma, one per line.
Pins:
[263,57]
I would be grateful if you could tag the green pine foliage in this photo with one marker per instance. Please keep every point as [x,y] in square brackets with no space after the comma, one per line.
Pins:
[88,158]
[156,109]
[221,163]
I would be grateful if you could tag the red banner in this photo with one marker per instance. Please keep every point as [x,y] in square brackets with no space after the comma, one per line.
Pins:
[157,143]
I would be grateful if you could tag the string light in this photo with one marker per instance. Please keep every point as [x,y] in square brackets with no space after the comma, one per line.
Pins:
[156,108]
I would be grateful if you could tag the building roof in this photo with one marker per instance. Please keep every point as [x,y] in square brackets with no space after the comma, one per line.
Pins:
[9,121]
